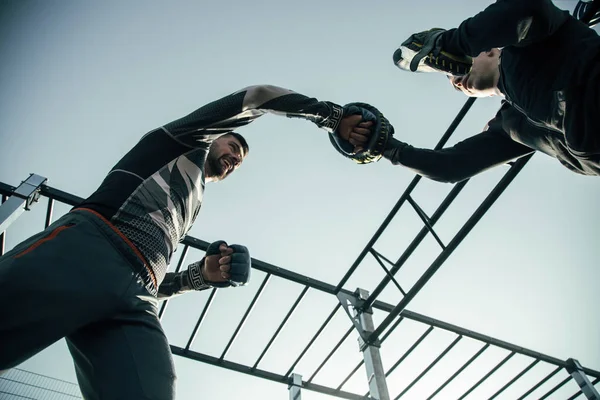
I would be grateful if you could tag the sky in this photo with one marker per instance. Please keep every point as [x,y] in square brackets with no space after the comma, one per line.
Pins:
[83,81]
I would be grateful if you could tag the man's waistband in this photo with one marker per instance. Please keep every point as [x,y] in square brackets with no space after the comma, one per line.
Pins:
[130,251]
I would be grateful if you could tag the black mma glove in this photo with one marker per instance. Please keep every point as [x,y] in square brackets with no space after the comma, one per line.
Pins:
[239,268]
[381,132]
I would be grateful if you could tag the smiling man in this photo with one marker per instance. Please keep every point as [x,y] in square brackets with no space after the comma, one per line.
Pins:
[544,63]
[95,276]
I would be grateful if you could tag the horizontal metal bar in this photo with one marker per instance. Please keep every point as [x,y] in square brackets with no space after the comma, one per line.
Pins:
[496,368]
[310,343]
[416,241]
[555,388]
[458,238]
[202,245]
[60,195]
[246,314]
[516,378]
[274,270]
[360,364]
[46,191]
[67,198]
[410,350]
[209,302]
[458,372]
[540,383]
[280,327]
[495,342]
[192,355]
[389,331]
[331,353]
[430,366]
[6,190]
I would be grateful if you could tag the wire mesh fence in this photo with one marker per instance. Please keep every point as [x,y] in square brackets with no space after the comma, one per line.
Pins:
[19,384]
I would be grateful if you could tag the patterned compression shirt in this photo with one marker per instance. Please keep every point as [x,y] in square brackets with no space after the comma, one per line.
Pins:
[154,193]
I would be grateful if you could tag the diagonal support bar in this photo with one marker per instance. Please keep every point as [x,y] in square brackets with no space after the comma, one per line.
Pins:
[378,258]
[458,238]
[411,186]
[417,240]
[426,221]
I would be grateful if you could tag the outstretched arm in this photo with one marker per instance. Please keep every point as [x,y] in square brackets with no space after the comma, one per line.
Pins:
[476,154]
[504,23]
[242,107]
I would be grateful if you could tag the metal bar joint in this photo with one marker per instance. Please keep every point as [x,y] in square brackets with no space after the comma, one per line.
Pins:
[352,305]
[575,369]
[20,200]
[295,386]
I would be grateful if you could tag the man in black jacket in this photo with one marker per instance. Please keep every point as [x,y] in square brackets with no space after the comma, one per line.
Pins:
[542,61]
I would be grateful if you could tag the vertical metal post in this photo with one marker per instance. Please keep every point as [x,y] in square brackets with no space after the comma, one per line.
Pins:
[295,386]
[576,370]
[374,366]
[363,322]
[23,197]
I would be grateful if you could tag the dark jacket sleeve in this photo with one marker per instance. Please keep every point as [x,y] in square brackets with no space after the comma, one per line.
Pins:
[523,22]
[242,107]
[476,154]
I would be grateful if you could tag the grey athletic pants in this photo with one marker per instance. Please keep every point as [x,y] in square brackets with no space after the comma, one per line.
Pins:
[77,280]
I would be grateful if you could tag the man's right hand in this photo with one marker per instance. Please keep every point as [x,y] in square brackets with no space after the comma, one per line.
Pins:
[354,131]
[362,133]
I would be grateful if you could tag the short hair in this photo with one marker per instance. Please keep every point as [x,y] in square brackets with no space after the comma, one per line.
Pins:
[241,139]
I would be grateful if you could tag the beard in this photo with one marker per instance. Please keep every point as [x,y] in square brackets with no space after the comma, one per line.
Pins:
[217,169]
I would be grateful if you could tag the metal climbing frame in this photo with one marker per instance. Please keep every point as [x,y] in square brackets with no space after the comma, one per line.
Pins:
[359,306]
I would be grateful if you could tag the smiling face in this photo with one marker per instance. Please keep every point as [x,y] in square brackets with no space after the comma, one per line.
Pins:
[482,80]
[226,154]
